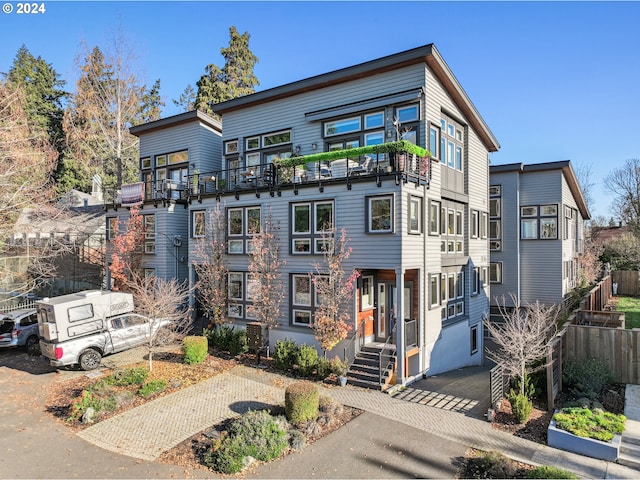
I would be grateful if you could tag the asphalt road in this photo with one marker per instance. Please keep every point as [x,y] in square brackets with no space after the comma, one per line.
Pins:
[35,445]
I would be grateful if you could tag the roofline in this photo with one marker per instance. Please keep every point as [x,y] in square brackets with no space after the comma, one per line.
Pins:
[427,54]
[567,171]
[174,120]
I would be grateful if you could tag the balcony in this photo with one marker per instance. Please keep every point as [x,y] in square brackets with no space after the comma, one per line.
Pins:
[364,164]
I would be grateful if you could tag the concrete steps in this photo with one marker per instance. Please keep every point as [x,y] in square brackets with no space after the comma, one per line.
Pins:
[364,370]
[629,453]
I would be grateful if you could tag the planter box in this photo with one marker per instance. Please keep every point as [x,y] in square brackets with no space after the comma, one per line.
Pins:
[589,447]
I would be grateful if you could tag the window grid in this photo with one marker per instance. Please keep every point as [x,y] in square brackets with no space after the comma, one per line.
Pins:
[305,239]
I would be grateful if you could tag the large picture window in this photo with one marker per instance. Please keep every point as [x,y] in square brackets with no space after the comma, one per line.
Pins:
[309,222]
[198,223]
[539,222]
[303,299]
[242,224]
[451,143]
[380,214]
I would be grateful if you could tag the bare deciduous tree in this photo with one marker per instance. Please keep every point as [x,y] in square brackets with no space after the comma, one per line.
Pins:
[522,337]
[162,300]
[624,184]
[267,288]
[334,289]
[590,267]
[209,265]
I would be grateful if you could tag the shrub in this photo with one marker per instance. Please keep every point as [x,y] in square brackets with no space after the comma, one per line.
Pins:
[306,359]
[323,368]
[491,465]
[301,402]
[195,349]
[220,337]
[238,342]
[151,387]
[549,472]
[586,378]
[297,440]
[128,376]
[521,406]
[584,422]
[285,353]
[338,367]
[254,434]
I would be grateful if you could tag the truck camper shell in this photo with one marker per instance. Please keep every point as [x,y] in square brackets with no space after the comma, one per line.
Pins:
[78,314]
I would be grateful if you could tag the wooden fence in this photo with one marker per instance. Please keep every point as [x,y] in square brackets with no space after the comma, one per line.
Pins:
[627,282]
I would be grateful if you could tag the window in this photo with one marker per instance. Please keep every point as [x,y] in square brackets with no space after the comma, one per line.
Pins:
[374,120]
[198,223]
[475,227]
[277,138]
[407,114]
[495,190]
[452,292]
[380,214]
[304,239]
[145,162]
[112,230]
[451,143]
[304,299]
[231,147]
[242,224]
[434,217]
[494,207]
[539,222]
[178,157]
[484,223]
[366,293]
[495,214]
[252,143]
[235,294]
[434,292]
[434,140]
[452,227]
[473,340]
[475,281]
[374,138]
[149,225]
[161,161]
[495,272]
[338,127]
[415,214]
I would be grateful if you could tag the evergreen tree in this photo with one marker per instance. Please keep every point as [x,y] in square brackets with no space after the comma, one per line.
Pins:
[43,93]
[187,99]
[234,80]
[152,103]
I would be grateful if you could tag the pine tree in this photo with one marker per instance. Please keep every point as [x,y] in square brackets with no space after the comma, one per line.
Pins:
[234,80]
[152,103]
[187,99]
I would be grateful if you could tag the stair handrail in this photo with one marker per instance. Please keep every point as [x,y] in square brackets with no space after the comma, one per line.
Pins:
[347,357]
[381,354]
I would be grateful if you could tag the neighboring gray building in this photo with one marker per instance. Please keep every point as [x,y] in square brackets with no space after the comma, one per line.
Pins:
[537,213]
[417,221]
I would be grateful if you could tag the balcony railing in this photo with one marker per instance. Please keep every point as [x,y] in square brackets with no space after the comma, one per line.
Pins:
[272,177]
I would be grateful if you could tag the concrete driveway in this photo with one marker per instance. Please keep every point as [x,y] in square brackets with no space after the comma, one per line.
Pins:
[38,446]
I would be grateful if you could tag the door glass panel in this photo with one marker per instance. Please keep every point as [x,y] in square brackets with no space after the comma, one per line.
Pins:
[382,310]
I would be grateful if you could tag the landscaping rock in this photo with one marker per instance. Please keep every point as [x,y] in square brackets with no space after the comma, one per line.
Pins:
[89,415]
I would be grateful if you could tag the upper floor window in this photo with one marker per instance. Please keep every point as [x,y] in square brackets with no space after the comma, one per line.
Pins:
[374,120]
[379,214]
[434,217]
[178,157]
[161,161]
[495,221]
[253,143]
[539,222]
[339,127]
[112,231]
[145,163]
[310,221]
[149,225]
[495,272]
[231,147]
[408,113]
[451,143]
[198,223]
[434,140]
[242,224]
[415,214]
[277,138]
[452,228]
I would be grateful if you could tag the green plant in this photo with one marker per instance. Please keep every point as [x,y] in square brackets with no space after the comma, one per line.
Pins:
[323,368]
[545,471]
[238,344]
[492,465]
[220,337]
[195,349]
[285,353]
[255,433]
[584,422]
[297,440]
[586,378]
[521,406]
[338,367]
[151,387]
[81,404]
[128,376]
[306,359]
[301,402]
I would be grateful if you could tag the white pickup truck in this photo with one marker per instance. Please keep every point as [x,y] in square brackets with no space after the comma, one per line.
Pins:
[81,328]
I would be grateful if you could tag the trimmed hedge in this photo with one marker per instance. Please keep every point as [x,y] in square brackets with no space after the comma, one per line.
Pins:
[195,349]
[301,402]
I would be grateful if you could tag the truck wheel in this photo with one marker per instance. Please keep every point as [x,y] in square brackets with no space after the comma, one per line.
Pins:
[32,345]
[90,359]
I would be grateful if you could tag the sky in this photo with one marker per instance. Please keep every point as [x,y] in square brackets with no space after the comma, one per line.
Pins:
[552,80]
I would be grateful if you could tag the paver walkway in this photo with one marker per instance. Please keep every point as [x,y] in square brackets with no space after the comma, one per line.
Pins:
[147,431]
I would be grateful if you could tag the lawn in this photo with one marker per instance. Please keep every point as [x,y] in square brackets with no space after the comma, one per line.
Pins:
[631,308]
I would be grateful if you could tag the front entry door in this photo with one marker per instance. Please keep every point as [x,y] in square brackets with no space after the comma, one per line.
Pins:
[385,311]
